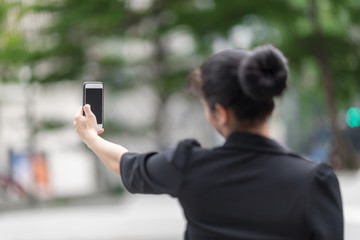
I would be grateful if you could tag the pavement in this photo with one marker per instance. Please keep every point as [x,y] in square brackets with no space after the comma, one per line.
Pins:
[135,217]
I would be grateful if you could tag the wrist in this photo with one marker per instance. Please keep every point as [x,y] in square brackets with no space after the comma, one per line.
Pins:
[91,140]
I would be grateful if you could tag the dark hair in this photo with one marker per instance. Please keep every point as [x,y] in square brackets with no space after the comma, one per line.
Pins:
[244,80]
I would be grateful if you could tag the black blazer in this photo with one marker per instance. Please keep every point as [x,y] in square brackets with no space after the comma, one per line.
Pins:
[249,188]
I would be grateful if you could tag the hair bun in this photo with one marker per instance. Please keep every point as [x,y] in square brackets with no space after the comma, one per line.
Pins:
[263,73]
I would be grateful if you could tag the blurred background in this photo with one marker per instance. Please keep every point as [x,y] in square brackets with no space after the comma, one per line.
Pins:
[53,187]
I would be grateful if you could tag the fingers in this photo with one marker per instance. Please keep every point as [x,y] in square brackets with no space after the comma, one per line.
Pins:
[88,111]
[100,131]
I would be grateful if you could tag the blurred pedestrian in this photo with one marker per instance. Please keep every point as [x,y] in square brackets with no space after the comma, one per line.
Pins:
[249,188]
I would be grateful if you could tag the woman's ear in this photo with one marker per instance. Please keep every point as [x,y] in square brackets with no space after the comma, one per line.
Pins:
[222,114]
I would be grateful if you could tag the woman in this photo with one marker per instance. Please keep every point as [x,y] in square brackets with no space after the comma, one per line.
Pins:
[249,188]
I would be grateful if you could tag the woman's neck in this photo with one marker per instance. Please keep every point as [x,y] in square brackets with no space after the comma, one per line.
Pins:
[259,129]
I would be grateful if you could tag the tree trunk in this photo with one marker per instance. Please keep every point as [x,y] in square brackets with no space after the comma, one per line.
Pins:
[343,154]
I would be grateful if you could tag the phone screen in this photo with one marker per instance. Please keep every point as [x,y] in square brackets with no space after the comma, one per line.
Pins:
[94,98]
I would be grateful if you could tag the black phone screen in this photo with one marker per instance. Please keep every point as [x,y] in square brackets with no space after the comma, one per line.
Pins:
[94,98]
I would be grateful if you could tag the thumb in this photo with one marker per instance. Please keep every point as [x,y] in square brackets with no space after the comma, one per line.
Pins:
[87,110]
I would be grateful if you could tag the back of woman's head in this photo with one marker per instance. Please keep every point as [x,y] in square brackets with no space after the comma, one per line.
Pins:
[244,80]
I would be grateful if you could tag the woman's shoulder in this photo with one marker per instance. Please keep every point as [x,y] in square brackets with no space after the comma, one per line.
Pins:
[184,151]
[310,165]
[190,151]
[308,170]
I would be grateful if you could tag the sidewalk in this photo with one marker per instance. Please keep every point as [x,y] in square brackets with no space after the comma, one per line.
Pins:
[136,217]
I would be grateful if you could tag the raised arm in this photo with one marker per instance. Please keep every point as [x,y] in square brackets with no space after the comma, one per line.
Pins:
[109,153]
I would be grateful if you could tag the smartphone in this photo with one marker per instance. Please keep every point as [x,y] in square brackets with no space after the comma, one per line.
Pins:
[93,94]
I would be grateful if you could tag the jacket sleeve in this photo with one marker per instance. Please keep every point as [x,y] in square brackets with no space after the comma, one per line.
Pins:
[156,172]
[324,205]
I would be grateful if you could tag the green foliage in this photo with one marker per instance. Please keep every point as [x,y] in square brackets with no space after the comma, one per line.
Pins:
[13,51]
[48,125]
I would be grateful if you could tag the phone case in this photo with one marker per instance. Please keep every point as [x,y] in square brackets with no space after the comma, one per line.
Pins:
[84,98]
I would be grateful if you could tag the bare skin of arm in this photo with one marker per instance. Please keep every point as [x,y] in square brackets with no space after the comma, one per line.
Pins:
[109,153]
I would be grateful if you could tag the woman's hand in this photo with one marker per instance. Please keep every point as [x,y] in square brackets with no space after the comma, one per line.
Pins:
[109,153]
[86,126]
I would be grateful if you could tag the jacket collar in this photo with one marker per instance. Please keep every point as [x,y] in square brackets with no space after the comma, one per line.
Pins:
[251,141]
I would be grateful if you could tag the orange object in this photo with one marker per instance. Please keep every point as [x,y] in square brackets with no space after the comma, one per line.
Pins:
[40,173]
